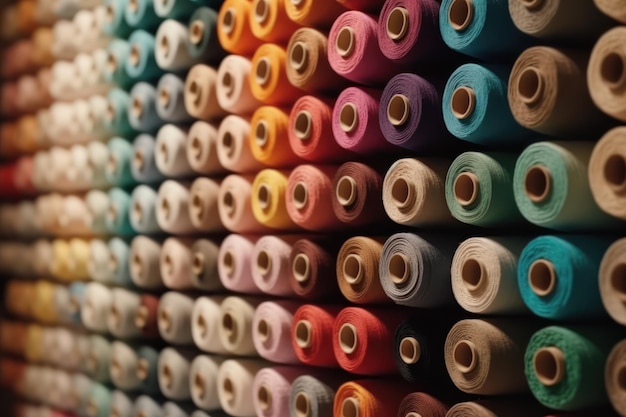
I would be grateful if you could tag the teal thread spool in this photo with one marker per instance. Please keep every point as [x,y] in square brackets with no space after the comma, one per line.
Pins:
[142,114]
[204,44]
[117,220]
[170,104]
[552,189]
[118,171]
[147,370]
[120,252]
[555,276]
[116,115]
[144,167]
[478,189]
[118,53]
[174,9]
[98,401]
[481,29]
[143,210]
[140,14]
[147,407]
[141,64]
[476,108]
[114,22]
[564,366]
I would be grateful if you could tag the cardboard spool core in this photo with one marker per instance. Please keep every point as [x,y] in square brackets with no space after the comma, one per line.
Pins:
[348,338]
[264,263]
[303,125]
[196,32]
[263,71]
[398,22]
[346,191]
[549,365]
[538,183]
[353,269]
[226,83]
[530,86]
[261,11]
[197,206]
[138,160]
[112,163]
[166,376]
[350,407]
[164,46]
[466,188]
[300,195]
[165,321]
[614,172]
[197,267]
[137,212]
[410,350]
[137,107]
[229,20]
[472,274]
[303,334]
[402,194]
[229,324]
[613,70]
[301,268]
[229,203]
[465,356]
[135,55]
[197,148]
[264,196]
[137,265]
[110,13]
[114,315]
[168,264]
[228,388]
[261,133]
[195,91]
[228,262]
[348,117]
[398,110]
[133,5]
[228,143]
[462,102]
[110,112]
[164,152]
[620,378]
[164,97]
[264,397]
[141,317]
[111,63]
[143,368]
[460,14]
[264,330]
[399,268]
[531,4]
[618,281]
[542,277]
[299,56]
[116,369]
[201,322]
[199,385]
[302,404]
[345,42]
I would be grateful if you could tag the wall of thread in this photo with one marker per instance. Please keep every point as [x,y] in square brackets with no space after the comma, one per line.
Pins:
[313,208]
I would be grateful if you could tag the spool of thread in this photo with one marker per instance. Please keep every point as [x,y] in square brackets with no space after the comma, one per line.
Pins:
[421,403]
[203,381]
[269,21]
[203,43]
[203,209]
[234,385]
[145,318]
[144,263]
[414,192]
[233,147]
[143,210]
[308,188]
[369,398]
[268,199]
[124,367]
[121,404]
[114,23]
[234,205]
[355,121]
[141,64]
[116,115]
[146,406]
[173,368]
[174,318]
[233,28]
[147,369]
[98,400]
[612,8]
[410,114]
[353,36]
[415,271]
[175,9]
[479,189]
[605,176]
[270,390]
[140,14]
[484,275]
[357,270]
[357,194]
[205,324]
[268,128]
[171,50]
[121,316]
[615,365]
[233,85]
[545,173]
[119,250]
[201,148]
[310,131]
[312,396]
[144,168]
[200,93]
[475,107]
[553,272]
[312,264]
[98,358]
[95,308]
[98,265]
[171,152]
[117,219]
[609,276]
[268,77]
[115,70]
[479,352]
[142,114]
[271,331]
[543,84]
[495,408]
[235,264]
[564,366]
[172,210]
[360,338]
[235,331]
[118,169]
[176,262]
[205,275]
[605,76]
[305,14]
[556,21]
[307,63]
[170,103]
[270,264]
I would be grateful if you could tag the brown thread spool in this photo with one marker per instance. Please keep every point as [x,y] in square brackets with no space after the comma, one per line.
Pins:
[465,356]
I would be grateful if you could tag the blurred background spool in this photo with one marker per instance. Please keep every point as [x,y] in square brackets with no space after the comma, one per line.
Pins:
[173,208]
[119,250]
[479,353]
[613,372]
[142,113]
[234,30]
[369,398]
[173,368]
[203,381]
[115,69]
[422,403]
[484,275]
[269,21]
[233,146]
[234,385]
[270,264]
[205,324]
[141,64]
[268,128]
[140,14]
[233,85]
[114,23]
[546,173]
[175,9]
[144,168]
[234,264]
[203,210]
[268,78]
[413,192]
[144,263]
[234,207]
[612,290]
[496,408]
[170,50]
[117,220]
[270,389]
[203,42]
[171,151]
[116,118]
[200,93]
[201,148]
[543,85]
[143,211]
[170,105]
[146,316]
[118,170]
[204,269]
[121,318]
[605,73]
[305,13]
[357,270]
[175,262]
[147,406]
[312,396]
[606,172]
[553,273]
[235,331]
[174,318]
[312,268]
[271,331]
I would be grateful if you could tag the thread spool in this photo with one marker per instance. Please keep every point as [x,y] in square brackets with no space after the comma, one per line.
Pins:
[147,370]
[142,212]
[609,276]
[116,116]
[271,331]
[175,263]
[233,150]
[233,204]
[494,408]
[142,113]
[143,166]
[357,186]
[367,398]
[203,381]
[204,268]
[270,265]
[269,21]
[271,388]
[200,93]
[612,9]
[269,200]
[235,331]
[118,169]
[613,376]
[123,369]
[144,263]
[233,28]
[234,264]
[174,9]
[268,77]
[268,125]
[174,318]
[357,261]
[201,148]
[96,304]
[145,317]
[146,406]
[312,263]
[115,70]
[170,50]
[233,85]
[205,324]
[305,14]
[140,14]
[234,379]
[121,316]
[170,105]
[173,369]
[141,64]
[204,205]
[118,263]
[203,42]
[173,208]
[170,151]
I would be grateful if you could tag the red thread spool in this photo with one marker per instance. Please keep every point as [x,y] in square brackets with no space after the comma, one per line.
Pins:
[313,269]
[312,334]
[146,316]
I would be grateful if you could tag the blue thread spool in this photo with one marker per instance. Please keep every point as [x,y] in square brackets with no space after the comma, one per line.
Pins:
[170,105]
[141,64]
[204,44]
[142,114]
[143,210]
[117,220]
[118,170]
